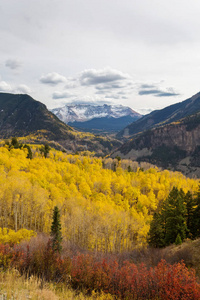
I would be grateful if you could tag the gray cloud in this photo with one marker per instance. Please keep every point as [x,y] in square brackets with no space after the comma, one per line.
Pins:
[109,86]
[148,92]
[61,95]
[155,90]
[167,94]
[147,86]
[52,78]
[13,64]
[102,76]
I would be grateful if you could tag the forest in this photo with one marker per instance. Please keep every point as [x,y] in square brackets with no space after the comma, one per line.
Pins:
[108,208]
[105,204]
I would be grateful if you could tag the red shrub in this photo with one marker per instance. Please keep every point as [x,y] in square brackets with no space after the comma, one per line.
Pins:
[165,281]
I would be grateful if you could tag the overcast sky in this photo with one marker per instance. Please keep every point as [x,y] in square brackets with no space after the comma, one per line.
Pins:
[139,53]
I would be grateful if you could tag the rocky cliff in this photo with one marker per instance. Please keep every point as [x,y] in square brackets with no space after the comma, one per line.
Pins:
[175,146]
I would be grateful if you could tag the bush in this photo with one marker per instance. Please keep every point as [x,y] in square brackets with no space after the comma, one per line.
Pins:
[84,272]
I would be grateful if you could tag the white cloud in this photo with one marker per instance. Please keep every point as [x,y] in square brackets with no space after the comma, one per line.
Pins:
[52,78]
[5,87]
[150,39]
[102,76]
[61,95]
[22,88]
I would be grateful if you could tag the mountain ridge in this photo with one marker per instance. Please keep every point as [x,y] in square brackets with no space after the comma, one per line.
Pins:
[103,119]
[86,112]
[166,115]
[22,116]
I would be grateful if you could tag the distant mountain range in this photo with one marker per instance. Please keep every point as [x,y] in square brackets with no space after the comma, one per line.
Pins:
[22,116]
[164,116]
[169,138]
[97,118]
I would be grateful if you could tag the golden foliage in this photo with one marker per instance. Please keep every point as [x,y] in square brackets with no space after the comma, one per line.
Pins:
[103,206]
[11,237]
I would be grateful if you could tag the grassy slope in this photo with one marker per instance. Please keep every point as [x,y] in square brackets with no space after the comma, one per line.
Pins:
[14,286]
[188,251]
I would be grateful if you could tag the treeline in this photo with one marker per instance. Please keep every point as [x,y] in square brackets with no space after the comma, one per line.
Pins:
[105,204]
[176,219]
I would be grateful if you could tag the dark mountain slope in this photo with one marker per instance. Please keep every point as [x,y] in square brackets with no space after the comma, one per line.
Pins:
[175,145]
[102,125]
[164,116]
[21,115]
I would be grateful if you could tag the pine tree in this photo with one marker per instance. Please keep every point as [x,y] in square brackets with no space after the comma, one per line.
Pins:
[169,222]
[175,216]
[14,142]
[29,155]
[178,240]
[157,231]
[45,150]
[191,204]
[56,231]
[196,216]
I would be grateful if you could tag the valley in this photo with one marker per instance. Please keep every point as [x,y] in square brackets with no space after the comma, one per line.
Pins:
[109,192]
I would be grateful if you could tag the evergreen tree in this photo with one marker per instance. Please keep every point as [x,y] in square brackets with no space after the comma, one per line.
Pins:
[45,150]
[169,222]
[196,216]
[190,214]
[14,142]
[175,216]
[29,155]
[178,240]
[56,231]
[157,231]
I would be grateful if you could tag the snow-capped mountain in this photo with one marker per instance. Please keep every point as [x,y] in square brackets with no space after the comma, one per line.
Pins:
[86,112]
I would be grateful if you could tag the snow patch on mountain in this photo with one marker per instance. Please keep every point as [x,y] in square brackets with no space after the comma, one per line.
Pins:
[86,112]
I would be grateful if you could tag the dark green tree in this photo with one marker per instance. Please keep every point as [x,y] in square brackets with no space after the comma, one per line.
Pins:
[29,155]
[56,231]
[178,240]
[45,150]
[191,204]
[14,142]
[175,216]
[129,169]
[196,216]
[156,236]
[170,221]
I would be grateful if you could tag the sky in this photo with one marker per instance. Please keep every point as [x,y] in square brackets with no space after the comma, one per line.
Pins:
[139,53]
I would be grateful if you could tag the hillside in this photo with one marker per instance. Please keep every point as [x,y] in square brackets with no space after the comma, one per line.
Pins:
[175,146]
[22,116]
[164,116]
[105,209]
[106,205]
[103,125]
